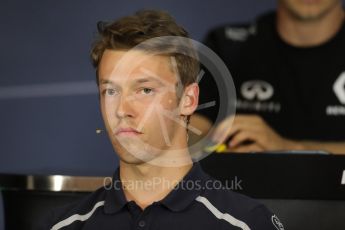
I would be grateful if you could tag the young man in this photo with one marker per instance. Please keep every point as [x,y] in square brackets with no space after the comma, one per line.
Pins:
[289,71]
[147,93]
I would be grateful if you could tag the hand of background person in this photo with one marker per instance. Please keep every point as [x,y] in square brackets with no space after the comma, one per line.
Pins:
[250,133]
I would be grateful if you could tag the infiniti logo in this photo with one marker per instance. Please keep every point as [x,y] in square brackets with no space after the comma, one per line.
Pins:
[260,90]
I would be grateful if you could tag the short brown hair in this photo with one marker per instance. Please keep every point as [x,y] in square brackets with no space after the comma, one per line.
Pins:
[129,31]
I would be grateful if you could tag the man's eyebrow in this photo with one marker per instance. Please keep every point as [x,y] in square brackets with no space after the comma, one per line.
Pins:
[148,79]
[151,75]
[104,82]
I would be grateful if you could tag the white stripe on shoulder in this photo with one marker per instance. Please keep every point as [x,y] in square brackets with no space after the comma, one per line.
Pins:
[225,216]
[76,217]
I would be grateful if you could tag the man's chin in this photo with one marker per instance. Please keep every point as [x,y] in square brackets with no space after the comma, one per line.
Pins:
[132,161]
[133,154]
[311,13]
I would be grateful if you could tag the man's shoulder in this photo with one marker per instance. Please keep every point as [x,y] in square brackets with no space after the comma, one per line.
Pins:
[83,206]
[226,198]
[243,210]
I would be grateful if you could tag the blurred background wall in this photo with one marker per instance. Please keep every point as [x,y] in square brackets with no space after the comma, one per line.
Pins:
[48,96]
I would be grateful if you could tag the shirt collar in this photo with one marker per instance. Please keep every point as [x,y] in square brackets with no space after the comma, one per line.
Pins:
[185,192]
[178,199]
[115,198]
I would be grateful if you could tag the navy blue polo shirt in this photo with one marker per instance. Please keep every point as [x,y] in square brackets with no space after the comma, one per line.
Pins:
[197,202]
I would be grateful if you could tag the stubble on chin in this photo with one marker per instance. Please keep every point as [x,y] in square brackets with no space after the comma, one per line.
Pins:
[133,151]
[309,16]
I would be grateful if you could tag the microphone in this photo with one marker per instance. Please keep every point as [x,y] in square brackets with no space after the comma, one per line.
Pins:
[99,131]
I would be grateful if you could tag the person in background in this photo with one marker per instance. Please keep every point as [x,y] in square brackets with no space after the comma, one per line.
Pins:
[289,71]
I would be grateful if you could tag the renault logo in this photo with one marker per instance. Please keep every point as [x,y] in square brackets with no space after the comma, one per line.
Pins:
[260,90]
[339,87]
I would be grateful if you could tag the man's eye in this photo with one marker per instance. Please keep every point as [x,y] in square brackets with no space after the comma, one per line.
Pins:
[110,92]
[146,91]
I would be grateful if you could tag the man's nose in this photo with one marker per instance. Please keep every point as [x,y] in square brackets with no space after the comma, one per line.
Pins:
[125,107]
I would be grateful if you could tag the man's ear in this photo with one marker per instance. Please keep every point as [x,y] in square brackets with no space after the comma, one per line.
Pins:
[190,99]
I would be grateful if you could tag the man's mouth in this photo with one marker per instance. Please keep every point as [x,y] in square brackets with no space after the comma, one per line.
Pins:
[127,132]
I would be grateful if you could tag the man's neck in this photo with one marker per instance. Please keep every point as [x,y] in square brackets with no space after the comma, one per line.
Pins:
[308,33]
[145,183]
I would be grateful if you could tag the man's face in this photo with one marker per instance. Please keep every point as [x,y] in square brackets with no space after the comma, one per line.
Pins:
[139,104]
[308,10]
